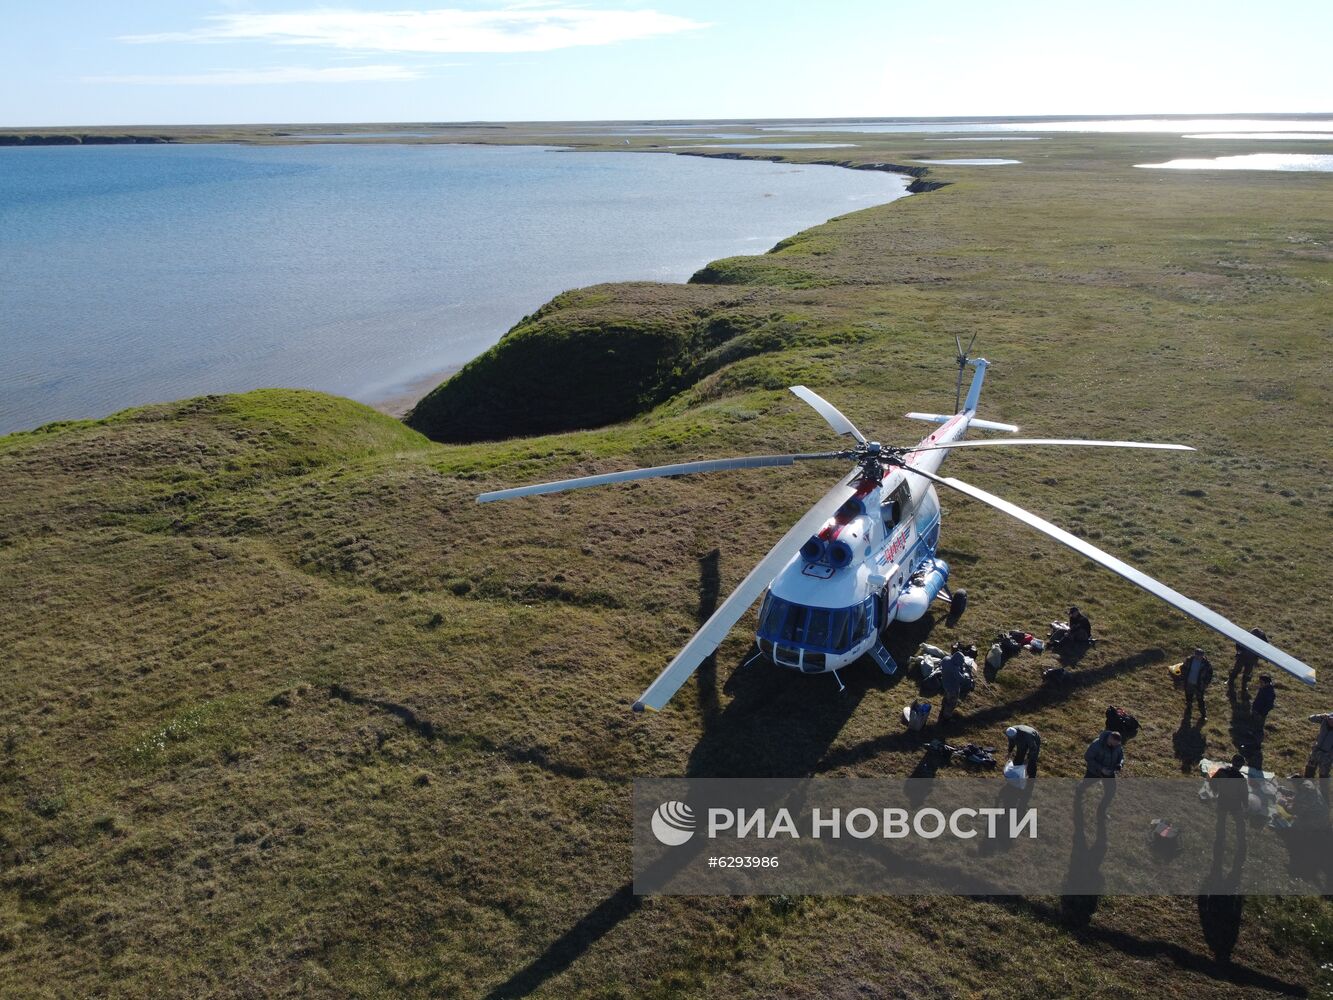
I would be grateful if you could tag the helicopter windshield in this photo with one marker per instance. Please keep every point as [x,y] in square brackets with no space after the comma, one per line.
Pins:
[833,630]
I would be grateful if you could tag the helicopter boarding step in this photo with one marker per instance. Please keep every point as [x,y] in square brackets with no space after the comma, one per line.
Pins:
[881,655]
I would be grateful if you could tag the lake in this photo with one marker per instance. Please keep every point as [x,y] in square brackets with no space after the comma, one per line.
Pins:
[133,274]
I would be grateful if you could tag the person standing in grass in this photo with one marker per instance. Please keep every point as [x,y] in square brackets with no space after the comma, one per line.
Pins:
[1105,755]
[1246,661]
[953,669]
[1264,699]
[1197,673]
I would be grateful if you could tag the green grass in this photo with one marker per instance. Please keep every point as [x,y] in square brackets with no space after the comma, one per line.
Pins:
[284,712]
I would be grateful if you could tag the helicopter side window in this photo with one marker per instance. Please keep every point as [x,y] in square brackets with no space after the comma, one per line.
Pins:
[858,623]
[864,616]
[892,509]
[889,511]
[770,615]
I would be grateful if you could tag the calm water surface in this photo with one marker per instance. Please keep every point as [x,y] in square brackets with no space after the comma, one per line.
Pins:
[132,274]
[1166,126]
[1251,161]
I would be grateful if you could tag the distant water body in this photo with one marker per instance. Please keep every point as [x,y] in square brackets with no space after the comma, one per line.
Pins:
[1166,126]
[132,274]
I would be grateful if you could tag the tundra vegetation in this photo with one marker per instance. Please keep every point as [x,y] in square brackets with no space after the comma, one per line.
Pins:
[285,713]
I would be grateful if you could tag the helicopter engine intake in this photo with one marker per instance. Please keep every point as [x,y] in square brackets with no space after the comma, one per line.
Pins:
[840,543]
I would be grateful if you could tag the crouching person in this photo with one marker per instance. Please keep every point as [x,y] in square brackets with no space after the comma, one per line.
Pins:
[1024,747]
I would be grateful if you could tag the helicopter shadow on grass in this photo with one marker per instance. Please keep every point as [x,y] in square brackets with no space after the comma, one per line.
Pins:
[778,723]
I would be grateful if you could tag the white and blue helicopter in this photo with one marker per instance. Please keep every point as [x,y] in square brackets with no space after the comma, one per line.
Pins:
[864,556]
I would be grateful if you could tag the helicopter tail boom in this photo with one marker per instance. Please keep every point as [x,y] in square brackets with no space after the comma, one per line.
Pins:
[974,393]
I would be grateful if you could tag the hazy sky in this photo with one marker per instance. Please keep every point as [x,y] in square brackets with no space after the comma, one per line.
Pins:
[91,62]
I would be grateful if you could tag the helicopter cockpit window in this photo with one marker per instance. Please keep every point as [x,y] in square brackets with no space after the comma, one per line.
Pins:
[840,631]
[816,631]
[793,623]
[834,630]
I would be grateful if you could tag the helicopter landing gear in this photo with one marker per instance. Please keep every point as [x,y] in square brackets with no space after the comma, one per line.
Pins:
[957,603]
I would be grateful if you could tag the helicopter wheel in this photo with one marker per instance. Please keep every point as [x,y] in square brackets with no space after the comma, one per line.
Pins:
[958,604]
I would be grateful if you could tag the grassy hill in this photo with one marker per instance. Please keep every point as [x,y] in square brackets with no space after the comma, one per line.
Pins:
[285,713]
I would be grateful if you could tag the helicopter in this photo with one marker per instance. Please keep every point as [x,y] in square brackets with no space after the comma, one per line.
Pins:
[865,555]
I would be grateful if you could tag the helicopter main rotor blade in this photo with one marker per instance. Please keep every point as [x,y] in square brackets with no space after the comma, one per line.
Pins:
[684,469]
[1158,589]
[1080,442]
[829,412]
[729,612]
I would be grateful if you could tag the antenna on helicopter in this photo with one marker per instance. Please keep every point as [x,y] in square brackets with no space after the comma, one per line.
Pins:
[962,367]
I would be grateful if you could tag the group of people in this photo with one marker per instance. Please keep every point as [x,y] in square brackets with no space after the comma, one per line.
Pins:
[1105,755]
[1196,673]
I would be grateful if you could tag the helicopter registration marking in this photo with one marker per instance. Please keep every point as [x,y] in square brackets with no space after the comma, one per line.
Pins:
[891,553]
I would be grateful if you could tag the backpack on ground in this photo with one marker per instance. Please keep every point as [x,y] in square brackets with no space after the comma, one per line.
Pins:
[976,756]
[1122,722]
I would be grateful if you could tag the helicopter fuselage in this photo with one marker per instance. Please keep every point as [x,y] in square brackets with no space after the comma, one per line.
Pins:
[872,563]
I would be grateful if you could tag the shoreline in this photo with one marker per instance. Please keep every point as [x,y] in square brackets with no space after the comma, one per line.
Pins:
[398,402]
[402,397]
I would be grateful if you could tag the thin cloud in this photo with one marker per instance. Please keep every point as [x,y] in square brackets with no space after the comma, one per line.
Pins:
[527,28]
[283,74]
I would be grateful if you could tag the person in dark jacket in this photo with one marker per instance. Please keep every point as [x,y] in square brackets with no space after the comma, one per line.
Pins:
[1233,796]
[1196,673]
[1263,704]
[953,668]
[1105,756]
[1229,785]
[1024,747]
[1246,661]
[1080,626]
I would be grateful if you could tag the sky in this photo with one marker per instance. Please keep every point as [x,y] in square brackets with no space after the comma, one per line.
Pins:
[163,62]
